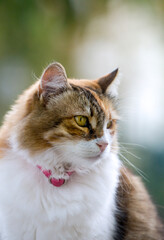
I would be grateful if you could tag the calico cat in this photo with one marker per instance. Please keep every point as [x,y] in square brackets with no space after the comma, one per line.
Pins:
[60,175]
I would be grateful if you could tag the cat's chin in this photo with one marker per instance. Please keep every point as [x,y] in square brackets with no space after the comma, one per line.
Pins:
[99,156]
[95,159]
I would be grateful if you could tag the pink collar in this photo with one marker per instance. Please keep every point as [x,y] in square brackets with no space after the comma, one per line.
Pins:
[56,182]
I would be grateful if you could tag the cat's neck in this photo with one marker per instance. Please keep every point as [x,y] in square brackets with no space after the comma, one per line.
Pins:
[95,191]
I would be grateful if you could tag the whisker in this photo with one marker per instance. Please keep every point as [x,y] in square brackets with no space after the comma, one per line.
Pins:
[140,172]
[133,144]
[124,150]
[132,154]
[128,177]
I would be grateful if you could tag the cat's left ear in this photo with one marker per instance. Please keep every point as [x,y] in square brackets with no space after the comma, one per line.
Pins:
[53,80]
[108,83]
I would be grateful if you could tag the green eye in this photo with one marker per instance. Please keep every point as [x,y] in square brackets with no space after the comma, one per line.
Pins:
[109,125]
[82,121]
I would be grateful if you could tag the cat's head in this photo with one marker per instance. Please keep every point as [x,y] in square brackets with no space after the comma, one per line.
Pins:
[67,121]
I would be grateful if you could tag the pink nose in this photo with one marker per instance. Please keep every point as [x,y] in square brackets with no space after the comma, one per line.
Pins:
[102,145]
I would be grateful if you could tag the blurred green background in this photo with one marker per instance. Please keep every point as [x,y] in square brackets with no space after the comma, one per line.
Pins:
[91,38]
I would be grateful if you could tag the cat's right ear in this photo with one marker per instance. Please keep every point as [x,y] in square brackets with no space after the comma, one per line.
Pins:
[53,80]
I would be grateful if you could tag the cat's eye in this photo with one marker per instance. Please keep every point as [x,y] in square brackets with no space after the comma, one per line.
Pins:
[82,121]
[109,125]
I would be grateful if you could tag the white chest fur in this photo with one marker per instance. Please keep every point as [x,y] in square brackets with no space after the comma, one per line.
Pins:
[32,209]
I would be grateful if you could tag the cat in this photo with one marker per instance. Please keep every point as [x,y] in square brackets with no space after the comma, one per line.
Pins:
[60,175]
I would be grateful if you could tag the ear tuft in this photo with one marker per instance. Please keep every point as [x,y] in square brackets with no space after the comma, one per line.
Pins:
[53,79]
[106,81]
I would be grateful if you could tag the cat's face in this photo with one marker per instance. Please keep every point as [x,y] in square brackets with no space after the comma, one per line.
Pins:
[74,120]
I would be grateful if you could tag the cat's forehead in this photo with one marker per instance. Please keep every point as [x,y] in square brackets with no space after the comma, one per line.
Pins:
[93,92]
[81,99]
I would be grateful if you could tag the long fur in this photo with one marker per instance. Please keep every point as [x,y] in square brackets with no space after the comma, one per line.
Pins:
[98,201]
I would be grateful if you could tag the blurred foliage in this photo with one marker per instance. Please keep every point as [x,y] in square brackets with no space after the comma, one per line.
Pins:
[43,30]
[40,31]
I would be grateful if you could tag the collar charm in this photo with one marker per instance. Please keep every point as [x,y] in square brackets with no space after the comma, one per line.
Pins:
[54,181]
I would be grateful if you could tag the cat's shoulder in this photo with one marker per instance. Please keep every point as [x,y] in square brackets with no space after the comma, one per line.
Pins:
[136,214]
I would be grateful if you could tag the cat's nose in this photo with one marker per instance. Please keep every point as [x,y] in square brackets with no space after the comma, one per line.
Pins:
[102,145]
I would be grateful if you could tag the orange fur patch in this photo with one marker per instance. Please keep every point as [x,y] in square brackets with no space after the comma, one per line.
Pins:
[40,123]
